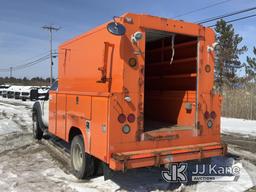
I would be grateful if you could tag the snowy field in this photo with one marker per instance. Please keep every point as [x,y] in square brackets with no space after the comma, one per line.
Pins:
[26,165]
[238,126]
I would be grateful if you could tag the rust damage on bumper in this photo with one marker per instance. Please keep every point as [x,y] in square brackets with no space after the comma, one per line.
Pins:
[157,157]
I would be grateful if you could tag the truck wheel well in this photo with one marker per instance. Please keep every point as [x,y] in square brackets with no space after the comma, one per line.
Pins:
[73,132]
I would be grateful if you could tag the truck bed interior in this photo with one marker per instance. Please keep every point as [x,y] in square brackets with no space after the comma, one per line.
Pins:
[170,84]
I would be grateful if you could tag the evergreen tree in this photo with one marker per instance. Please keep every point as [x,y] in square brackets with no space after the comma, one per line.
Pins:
[227,55]
[250,68]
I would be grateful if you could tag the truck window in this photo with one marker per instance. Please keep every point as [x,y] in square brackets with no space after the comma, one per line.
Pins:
[54,86]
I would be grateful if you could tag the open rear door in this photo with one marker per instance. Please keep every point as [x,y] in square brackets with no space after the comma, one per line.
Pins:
[171,84]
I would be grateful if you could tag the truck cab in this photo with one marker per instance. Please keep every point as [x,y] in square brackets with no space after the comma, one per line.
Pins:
[142,96]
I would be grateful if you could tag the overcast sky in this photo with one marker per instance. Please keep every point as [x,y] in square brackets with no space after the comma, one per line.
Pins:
[23,40]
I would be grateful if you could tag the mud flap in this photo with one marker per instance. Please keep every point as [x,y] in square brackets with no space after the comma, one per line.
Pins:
[107,172]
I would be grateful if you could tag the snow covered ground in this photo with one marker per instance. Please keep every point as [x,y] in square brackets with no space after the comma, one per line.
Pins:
[238,126]
[26,165]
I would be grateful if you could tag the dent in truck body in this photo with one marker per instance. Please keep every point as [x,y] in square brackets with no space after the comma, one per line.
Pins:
[95,77]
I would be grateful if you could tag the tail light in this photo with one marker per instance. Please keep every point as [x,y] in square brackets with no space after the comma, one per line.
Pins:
[208,68]
[121,118]
[206,115]
[131,118]
[213,115]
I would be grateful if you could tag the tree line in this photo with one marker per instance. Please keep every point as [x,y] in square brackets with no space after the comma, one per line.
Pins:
[35,81]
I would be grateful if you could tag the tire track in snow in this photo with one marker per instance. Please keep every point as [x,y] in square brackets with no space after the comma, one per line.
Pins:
[19,114]
[25,164]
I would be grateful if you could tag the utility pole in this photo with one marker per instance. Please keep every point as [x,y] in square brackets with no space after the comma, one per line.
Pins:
[11,72]
[50,28]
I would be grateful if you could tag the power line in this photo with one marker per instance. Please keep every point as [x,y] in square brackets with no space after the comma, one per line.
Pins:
[35,56]
[225,15]
[25,65]
[238,19]
[42,55]
[31,63]
[4,69]
[202,8]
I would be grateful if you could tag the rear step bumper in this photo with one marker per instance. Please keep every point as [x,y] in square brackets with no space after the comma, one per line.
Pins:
[157,157]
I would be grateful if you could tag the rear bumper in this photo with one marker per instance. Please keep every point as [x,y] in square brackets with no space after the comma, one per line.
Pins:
[157,157]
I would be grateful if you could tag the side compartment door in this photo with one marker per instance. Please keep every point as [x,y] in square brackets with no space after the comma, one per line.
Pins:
[99,127]
[61,116]
[52,112]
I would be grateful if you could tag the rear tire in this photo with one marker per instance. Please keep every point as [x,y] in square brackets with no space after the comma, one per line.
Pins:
[81,162]
[37,132]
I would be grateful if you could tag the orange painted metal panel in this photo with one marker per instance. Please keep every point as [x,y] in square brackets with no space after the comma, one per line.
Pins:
[79,105]
[61,116]
[99,128]
[78,112]
[82,60]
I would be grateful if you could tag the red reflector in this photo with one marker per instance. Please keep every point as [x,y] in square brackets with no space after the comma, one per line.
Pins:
[206,115]
[207,68]
[121,118]
[131,118]
[213,115]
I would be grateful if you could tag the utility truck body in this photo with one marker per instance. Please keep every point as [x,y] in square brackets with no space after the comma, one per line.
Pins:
[138,92]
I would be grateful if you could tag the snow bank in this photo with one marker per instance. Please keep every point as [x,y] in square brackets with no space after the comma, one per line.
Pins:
[8,126]
[16,102]
[14,118]
[238,126]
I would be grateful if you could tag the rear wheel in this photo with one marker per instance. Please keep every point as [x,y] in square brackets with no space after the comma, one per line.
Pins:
[82,163]
[37,132]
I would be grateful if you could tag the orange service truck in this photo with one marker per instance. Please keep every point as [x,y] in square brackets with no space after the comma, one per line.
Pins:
[135,92]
